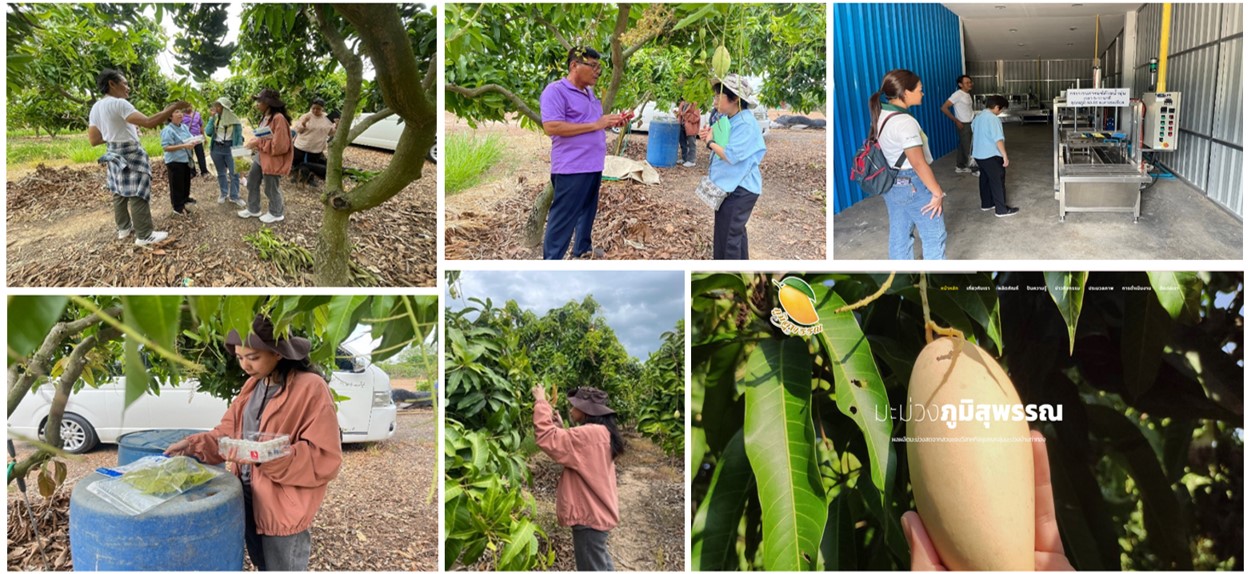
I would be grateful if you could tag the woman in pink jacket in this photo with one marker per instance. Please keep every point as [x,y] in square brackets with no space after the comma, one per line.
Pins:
[271,157]
[586,496]
[284,395]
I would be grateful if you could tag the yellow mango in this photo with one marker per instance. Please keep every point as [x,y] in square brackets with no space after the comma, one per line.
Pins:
[720,61]
[973,485]
[798,305]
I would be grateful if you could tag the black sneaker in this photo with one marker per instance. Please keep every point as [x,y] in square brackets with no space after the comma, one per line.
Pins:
[1009,212]
[190,200]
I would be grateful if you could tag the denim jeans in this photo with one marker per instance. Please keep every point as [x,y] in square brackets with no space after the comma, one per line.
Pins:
[227,174]
[904,201]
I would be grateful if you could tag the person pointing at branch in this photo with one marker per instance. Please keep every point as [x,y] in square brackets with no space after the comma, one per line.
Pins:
[573,116]
[585,498]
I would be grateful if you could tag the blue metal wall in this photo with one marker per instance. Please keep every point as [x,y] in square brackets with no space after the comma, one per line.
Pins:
[868,41]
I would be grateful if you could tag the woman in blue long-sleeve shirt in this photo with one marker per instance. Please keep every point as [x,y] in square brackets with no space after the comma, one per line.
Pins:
[735,166]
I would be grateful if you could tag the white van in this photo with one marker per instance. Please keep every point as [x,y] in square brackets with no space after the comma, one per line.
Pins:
[95,415]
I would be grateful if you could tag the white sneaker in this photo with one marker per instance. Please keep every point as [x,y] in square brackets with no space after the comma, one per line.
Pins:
[221,200]
[269,218]
[124,233]
[239,202]
[245,214]
[688,164]
[961,170]
[156,237]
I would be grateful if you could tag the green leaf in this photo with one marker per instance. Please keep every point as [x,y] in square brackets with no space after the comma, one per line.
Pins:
[240,310]
[1146,329]
[714,539]
[1067,290]
[157,317]
[860,390]
[703,283]
[838,545]
[780,443]
[205,307]
[30,320]
[1179,293]
[137,378]
[698,15]
[340,322]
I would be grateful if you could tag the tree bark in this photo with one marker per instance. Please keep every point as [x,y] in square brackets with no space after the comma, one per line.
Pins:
[40,363]
[535,227]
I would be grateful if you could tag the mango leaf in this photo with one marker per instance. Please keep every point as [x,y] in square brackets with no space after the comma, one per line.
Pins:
[137,378]
[1146,329]
[838,546]
[239,312]
[1164,520]
[780,443]
[1179,293]
[977,296]
[1084,528]
[340,315]
[157,317]
[205,307]
[696,16]
[714,539]
[1067,290]
[702,283]
[860,391]
[30,320]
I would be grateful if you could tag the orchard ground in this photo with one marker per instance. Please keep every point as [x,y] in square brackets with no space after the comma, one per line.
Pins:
[376,516]
[635,221]
[61,231]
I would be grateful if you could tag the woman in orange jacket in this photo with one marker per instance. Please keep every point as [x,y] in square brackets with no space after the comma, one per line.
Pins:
[271,157]
[284,395]
[586,496]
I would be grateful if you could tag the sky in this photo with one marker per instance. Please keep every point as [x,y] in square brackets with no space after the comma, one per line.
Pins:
[638,305]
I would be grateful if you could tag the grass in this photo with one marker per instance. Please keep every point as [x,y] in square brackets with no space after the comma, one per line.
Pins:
[29,151]
[469,158]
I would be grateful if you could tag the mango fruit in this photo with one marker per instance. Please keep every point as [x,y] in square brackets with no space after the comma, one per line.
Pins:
[720,61]
[973,484]
[798,300]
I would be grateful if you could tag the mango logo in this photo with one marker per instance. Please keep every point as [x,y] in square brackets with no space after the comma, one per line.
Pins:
[798,301]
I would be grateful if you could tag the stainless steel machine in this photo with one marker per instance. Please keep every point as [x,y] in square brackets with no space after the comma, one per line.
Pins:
[1098,169]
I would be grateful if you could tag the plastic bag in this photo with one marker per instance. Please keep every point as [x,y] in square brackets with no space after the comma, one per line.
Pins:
[146,483]
[257,447]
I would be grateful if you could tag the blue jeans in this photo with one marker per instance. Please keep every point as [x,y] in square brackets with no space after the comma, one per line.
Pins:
[225,164]
[904,201]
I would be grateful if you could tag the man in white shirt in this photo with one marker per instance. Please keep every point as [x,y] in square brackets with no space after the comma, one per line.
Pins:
[113,122]
[960,100]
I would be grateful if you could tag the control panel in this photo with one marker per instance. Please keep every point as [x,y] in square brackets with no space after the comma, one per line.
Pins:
[1162,120]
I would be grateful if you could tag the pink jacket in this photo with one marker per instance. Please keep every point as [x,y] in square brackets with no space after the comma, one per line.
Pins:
[287,492]
[586,495]
[276,152]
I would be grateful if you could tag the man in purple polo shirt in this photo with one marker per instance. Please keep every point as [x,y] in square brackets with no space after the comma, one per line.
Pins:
[574,119]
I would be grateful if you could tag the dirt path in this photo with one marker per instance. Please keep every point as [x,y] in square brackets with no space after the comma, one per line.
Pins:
[663,221]
[374,517]
[651,534]
[61,233]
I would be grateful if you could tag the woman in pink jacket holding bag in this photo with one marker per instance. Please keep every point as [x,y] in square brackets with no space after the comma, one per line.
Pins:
[586,496]
[272,152]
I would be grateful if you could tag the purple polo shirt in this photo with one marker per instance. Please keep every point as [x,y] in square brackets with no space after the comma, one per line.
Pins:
[563,102]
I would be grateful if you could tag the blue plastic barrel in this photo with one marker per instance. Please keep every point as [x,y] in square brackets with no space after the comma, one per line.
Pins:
[661,143]
[136,445]
[200,530]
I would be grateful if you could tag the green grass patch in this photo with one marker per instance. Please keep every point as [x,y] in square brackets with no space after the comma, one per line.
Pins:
[468,158]
[64,149]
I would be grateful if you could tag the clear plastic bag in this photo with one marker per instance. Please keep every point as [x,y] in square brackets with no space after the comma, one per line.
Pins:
[257,447]
[146,483]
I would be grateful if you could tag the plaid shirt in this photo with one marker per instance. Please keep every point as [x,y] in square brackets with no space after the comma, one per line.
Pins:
[129,173]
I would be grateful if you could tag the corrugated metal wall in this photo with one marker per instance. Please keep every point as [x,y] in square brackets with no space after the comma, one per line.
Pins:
[868,42]
[1044,78]
[1204,64]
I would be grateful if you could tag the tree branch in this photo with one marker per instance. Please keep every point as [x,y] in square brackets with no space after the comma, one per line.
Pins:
[383,36]
[365,123]
[39,364]
[537,15]
[351,96]
[397,175]
[70,96]
[431,74]
[74,365]
[520,104]
[618,58]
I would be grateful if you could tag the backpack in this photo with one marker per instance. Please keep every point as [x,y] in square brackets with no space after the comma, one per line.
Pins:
[870,170]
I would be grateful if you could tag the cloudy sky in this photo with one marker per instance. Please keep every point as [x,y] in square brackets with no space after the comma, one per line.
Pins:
[638,305]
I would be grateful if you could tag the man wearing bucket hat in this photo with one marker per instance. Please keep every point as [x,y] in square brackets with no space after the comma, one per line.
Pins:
[226,133]
[585,498]
[284,395]
[737,149]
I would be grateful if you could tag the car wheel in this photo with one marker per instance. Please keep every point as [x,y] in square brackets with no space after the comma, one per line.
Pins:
[77,435]
[432,156]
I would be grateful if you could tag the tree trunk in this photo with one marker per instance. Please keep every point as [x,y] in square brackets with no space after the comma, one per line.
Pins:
[536,226]
[333,251]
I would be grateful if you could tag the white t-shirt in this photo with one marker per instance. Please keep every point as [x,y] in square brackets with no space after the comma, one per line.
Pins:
[109,116]
[962,106]
[900,133]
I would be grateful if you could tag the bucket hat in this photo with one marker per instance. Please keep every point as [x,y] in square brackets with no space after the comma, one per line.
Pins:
[261,337]
[590,401]
[738,85]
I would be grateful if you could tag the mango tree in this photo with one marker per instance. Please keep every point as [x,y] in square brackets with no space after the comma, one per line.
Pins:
[500,56]
[1144,465]
[77,341]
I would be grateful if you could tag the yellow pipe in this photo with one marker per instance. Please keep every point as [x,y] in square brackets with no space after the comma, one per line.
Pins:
[1097,28]
[1164,47]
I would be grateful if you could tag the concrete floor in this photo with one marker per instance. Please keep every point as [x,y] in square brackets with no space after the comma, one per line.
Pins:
[1177,221]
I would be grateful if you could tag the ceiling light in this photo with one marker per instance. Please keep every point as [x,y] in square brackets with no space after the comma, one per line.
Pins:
[1014,29]
[1019,44]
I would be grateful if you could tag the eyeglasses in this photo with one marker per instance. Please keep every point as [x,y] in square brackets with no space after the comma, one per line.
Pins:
[594,65]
